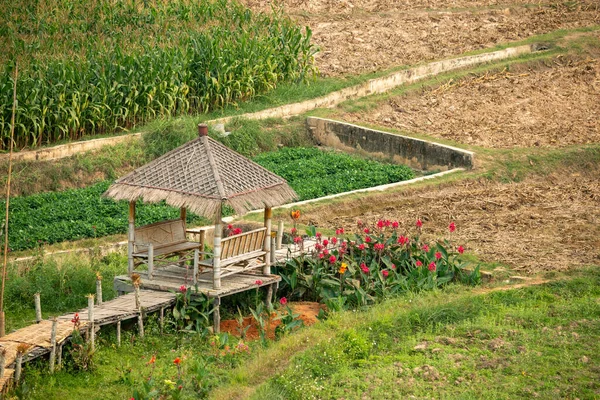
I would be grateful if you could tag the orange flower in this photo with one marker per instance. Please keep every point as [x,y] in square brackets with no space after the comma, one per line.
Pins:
[177,361]
[295,214]
[152,360]
[343,268]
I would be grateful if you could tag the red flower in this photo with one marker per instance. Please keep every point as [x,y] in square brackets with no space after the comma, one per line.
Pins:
[258,282]
[361,246]
[334,240]
[229,226]
[452,227]
[321,256]
[326,252]
[339,231]
[402,240]
[425,248]
[461,249]
[283,301]
[431,266]
[332,259]
[177,361]
[368,239]
[379,246]
[319,235]
[325,242]
[182,289]
[75,319]
[297,239]
[380,224]
[364,268]
[438,255]
[393,266]
[318,246]
[419,263]
[419,223]
[294,231]
[237,231]
[366,230]
[395,224]
[385,273]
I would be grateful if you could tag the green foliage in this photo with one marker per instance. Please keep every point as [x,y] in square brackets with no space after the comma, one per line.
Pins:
[78,77]
[191,312]
[315,173]
[76,214]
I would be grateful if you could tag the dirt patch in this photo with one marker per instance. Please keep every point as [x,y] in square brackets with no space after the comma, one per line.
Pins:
[308,314]
[539,224]
[362,36]
[553,105]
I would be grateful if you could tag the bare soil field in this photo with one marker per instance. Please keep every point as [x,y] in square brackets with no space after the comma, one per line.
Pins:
[556,104]
[539,224]
[362,36]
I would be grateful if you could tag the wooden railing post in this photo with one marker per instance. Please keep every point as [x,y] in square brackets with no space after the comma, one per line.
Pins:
[279,235]
[267,245]
[217,251]
[92,330]
[131,237]
[53,344]
[38,308]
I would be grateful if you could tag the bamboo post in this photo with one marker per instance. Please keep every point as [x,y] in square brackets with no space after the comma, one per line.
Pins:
[59,356]
[202,242]
[131,237]
[99,291]
[217,315]
[217,251]
[273,246]
[138,306]
[196,258]
[267,245]
[279,235]
[162,320]
[150,260]
[91,330]
[18,367]
[119,333]
[10,154]
[2,361]
[38,307]
[270,296]
[53,344]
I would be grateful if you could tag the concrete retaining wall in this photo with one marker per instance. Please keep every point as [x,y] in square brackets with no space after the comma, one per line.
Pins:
[416,153]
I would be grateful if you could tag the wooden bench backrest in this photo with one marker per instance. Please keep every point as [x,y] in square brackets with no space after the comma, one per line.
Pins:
[243,243]
[163,232]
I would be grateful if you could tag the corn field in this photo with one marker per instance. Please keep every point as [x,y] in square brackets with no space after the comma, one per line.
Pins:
[88,67]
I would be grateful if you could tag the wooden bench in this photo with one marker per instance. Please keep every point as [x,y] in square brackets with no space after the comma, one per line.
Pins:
[156,243]
[240,253]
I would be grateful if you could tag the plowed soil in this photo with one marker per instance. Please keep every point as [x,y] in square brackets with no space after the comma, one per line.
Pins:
[555,105]
[362,36]
[539,224]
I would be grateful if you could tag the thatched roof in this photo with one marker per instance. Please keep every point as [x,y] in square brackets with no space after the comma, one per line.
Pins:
[201,175]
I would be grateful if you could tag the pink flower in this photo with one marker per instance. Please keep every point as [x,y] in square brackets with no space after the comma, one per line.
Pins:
[431,266]
[319,235]
[334,240]
[182,289]
[380,224]
[258,282]
[294,231]
[321,256]
[283,301]
[318,246]
[368,239]
[361,246]
[75,319]
[359,222]
[366,230]
[452,227]
[379,246]
[419,263]
[402,240]
[438,255]
[461,249]
[393,266]
[297,239]
[332,259]
[419,223]
[326,252]
[325,242]
[339,231]
[385,273]
[364,268]
[395,224]
[425,248]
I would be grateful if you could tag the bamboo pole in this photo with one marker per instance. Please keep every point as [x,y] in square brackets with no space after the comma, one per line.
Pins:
[53,344]
[18,367]
[217,315]
[10,154]
[38,308]
[2,360]
[99,291]
[119,333]
[279,235]
[131,237]
[138,306]
[267,244]
[92,331]
[217,251]
[162,320]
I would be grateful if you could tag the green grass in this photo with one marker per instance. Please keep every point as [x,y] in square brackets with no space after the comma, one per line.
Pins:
[540,341]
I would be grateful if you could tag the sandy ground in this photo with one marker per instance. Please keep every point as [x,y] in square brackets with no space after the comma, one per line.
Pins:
[555,105]
[539,224]
[360,36]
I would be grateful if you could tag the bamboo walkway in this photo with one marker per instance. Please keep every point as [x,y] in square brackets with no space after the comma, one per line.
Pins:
[37,336]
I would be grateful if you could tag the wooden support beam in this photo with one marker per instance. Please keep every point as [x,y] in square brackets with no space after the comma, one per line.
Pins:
[267,245]
[162,320]
[99,291]
[53,344]
[196,259]
[269,296]
[279,235]
[150,260]
[217,315]
[183,214]
[202,243]
[92,331]
[119,333]
[217,251]
[38,307]
[131,238]
[273,246]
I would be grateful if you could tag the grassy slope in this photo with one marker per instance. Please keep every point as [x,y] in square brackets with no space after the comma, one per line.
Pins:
[539,341]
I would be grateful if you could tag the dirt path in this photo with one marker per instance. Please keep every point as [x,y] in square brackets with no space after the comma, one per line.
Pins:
[554,105]
[549,223]
[359,36]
